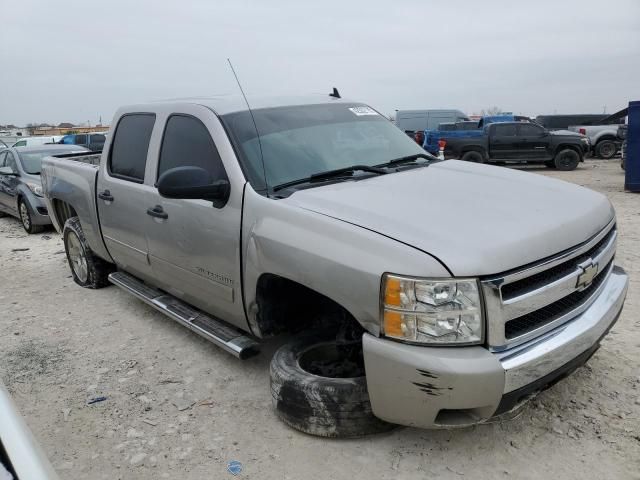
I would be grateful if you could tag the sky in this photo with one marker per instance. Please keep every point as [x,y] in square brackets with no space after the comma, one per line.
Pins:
[77,61]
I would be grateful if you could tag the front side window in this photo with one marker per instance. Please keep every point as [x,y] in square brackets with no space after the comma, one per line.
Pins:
[80,139]
[11,162]
[296,142]
[128,156]
[530,130]
[187,143]
[21,143]
[506,130]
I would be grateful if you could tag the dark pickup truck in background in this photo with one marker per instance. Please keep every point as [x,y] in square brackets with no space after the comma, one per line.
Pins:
[521,141]
[463,129]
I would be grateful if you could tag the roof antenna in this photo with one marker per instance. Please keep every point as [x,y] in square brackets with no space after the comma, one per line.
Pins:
[335,93]
[264,172]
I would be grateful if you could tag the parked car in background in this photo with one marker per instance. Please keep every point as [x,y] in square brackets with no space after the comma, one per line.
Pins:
[20,454]
[92,141]
[310,222]
[35,141]
[410,121]
[524,142]
[563,122]
[464,129]
[20,184]
[604,139]
[622,138]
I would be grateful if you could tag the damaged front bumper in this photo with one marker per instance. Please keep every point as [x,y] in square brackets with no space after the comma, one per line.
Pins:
[432,387]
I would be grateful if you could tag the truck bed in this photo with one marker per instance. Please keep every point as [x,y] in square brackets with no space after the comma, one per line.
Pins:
[69,185]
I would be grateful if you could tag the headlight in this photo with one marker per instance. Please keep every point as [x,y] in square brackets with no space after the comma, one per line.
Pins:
[443,312]
[35,188]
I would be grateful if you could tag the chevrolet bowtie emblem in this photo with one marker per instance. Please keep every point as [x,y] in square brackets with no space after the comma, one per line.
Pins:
[589,272]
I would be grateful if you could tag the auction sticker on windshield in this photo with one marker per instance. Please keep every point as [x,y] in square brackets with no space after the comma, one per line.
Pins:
[363,111]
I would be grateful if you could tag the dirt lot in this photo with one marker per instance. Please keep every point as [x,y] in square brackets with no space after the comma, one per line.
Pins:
[178,407]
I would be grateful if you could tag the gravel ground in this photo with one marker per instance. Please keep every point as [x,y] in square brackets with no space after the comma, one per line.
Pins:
[178,407]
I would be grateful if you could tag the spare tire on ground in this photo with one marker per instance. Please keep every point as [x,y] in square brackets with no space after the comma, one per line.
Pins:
[319,387]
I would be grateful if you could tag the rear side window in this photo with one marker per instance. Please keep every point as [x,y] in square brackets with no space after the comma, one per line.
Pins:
[80,139]
[97,138]
[130,145]
[506,130]
[187,143]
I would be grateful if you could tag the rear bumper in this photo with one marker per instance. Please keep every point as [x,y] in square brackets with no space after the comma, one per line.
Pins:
[453,386]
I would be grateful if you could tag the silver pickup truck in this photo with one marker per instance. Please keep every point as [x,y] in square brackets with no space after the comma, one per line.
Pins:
[414,291]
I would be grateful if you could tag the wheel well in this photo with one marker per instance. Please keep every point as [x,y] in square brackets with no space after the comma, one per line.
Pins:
[63,211]
[285,306]
[569,147]
[606,137]
[474,148]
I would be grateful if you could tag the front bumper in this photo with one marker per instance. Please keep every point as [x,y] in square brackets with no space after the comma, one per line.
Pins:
[38,209]
[453,386]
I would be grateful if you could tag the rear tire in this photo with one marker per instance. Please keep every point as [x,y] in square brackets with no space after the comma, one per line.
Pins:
[473,156]
[87,269]
[606,149]
[566,160]
[26,220]
[319,388]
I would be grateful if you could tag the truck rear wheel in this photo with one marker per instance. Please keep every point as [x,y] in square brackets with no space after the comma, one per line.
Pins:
[606,149]
[319,387]
[473,156]
[87,269]
[566,159]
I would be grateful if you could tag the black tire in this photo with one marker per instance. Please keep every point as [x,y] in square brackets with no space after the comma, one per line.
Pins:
[550,164]
[606,149]
[473,156]
[326,406]
[566,159]
[24,214]
[87,269]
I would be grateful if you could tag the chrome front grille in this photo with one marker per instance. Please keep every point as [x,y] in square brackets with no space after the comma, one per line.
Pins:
[530,301]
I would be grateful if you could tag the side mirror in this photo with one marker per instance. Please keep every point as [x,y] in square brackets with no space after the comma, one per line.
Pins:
[193,183]
[7,171]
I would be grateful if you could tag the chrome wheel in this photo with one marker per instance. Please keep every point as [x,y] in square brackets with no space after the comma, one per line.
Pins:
[24,216]
[77,258]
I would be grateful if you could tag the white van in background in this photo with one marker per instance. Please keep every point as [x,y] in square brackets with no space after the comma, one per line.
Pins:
[410,121]
[40,140]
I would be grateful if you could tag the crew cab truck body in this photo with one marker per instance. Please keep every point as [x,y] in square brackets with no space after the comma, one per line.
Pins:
[524,142]
[467,287]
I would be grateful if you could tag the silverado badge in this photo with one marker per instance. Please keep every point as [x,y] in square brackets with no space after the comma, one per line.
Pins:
[589,272]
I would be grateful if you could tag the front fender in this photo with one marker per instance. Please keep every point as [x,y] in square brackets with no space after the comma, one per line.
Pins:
[339,260]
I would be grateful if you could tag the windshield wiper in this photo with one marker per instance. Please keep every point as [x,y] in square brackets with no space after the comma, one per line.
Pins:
[338,172]
[408,159]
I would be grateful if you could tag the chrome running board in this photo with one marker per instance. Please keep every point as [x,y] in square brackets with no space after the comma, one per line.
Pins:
[216,331]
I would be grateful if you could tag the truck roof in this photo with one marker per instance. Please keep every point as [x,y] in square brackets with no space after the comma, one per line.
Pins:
[224,104]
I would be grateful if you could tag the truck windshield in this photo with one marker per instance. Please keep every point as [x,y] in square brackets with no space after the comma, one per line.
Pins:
[300,141]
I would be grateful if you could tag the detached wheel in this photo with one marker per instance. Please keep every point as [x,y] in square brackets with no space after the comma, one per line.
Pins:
[319,387]
[25,218]
[606,149]
[88,270]
[473,156]
[566,160]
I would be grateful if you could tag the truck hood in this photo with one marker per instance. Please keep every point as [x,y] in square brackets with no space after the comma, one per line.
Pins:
[476,219]
[568,133]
